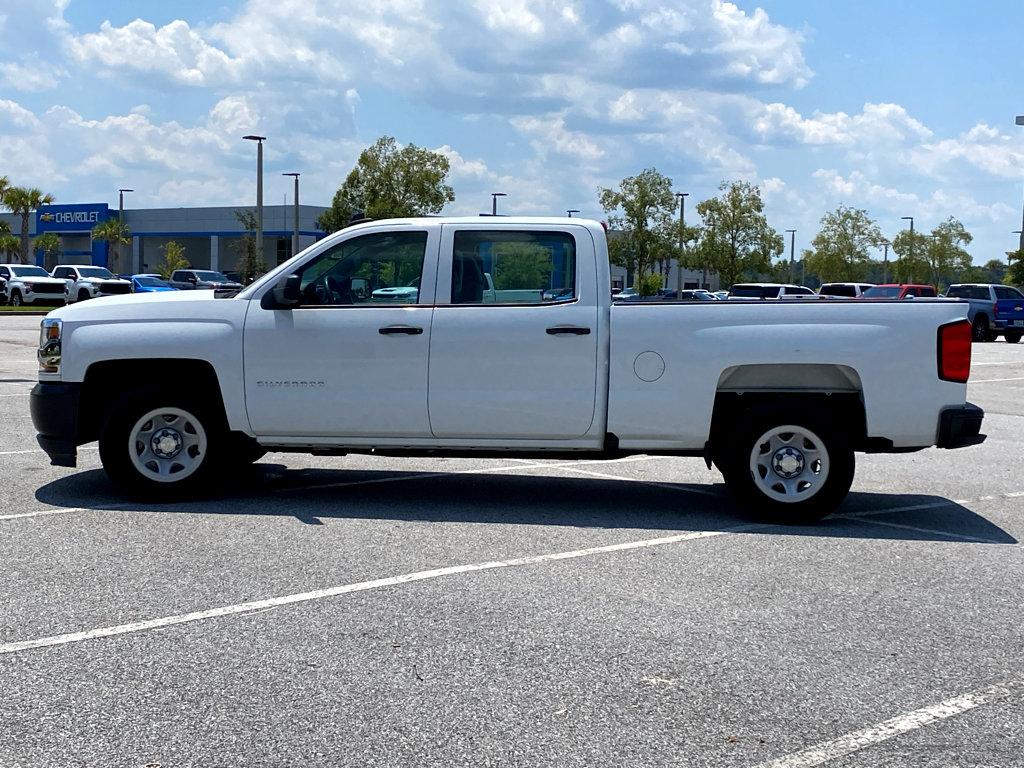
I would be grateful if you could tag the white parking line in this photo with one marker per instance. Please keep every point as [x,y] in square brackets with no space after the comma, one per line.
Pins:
[984,381]
[316,595]
[872,735]
[52,511]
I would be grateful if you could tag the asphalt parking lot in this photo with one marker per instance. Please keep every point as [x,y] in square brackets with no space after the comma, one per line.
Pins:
[364,610]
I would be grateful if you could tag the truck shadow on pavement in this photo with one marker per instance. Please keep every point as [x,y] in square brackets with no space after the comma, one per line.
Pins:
[315,495]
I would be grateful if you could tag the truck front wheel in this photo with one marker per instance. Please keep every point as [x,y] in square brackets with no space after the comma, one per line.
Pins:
[788,467]
[156,444]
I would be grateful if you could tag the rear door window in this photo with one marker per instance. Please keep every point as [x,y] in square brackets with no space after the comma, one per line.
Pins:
[836,289]
[926,291]
[1008,292]
[510,267]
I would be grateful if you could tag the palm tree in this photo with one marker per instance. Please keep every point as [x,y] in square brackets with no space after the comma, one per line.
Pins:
[23,201]
[49,244]
[116,234]
[9,245]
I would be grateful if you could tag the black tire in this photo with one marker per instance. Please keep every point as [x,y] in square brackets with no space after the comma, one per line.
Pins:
[736,452]
[16,300]
[981,329]
[1012,337]
[121,420]
[83,295]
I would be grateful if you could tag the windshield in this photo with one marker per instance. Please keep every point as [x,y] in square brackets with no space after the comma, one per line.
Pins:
[882,292]
[838,289]
[212,277]
[95,272]
[29,272]
[150,282]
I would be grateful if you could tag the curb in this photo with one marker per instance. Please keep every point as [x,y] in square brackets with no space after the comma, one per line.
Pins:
[29,313]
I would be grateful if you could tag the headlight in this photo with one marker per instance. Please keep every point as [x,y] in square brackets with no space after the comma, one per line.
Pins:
[49,346]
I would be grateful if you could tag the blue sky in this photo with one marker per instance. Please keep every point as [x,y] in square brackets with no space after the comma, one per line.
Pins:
[902,108]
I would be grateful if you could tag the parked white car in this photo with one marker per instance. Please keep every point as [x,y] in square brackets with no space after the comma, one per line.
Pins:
[784,394]
[749,291]
[28,284]
[86,281]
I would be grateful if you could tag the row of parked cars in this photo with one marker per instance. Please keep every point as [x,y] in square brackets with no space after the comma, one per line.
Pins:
[995,310]
[22,284]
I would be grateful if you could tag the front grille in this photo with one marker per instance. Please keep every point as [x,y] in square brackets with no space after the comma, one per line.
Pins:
[48,287]
[113,287]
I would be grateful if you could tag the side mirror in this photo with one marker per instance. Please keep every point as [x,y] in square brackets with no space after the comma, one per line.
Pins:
[909,296]
[286,292]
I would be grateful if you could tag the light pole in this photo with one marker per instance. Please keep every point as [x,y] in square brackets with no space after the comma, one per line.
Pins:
[885,261]
[259,193]
[679,259]
[295,206]
[494,201]
[792,255]
[1019,120]
[120,203]
[911,218]
[572,211]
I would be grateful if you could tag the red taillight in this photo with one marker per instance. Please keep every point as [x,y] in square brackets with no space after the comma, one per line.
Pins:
[954,351]
[995,309]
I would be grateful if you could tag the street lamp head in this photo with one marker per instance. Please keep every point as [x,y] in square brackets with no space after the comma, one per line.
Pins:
[911,218]
[125,189]
[682,194]
[499,194]
[253,137]
[790,230]
[296,174]
[571,211]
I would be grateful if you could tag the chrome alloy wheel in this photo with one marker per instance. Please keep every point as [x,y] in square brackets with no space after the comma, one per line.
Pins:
[167,445]
[789,464]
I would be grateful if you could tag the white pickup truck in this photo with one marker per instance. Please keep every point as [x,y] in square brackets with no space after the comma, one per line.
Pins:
[778,395]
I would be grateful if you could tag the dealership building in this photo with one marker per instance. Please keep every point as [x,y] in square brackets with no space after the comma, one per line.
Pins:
[210,236]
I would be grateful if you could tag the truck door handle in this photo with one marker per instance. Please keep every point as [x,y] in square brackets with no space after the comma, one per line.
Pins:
[573,330]
[407,330]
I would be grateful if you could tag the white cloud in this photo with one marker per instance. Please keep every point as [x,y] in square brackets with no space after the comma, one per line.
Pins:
[549,134]
[982,147]
[876,124]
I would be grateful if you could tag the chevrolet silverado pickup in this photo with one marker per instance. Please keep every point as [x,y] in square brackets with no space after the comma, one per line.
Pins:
[778,395]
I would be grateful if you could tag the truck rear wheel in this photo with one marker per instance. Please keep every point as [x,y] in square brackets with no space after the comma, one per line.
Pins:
[981,329]
[160,444]
[788,467]
[1012,337]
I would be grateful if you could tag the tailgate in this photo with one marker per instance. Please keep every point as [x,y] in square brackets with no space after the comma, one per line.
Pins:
[1011,311]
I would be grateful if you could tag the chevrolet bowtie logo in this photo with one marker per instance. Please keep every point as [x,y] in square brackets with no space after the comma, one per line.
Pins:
[46,217]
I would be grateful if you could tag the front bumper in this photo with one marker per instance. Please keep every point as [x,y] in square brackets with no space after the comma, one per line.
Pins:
[54,408]
[960,426]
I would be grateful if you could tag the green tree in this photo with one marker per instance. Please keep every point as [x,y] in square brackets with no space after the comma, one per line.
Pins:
[911,264]
[741,240]
[1015,272]
[521,265]
[642,209]
[946,255]
[174,259]
[390,182]
[840,249]
[250,266]
[995,270]
[115,234]
[49,244]
[23,201]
